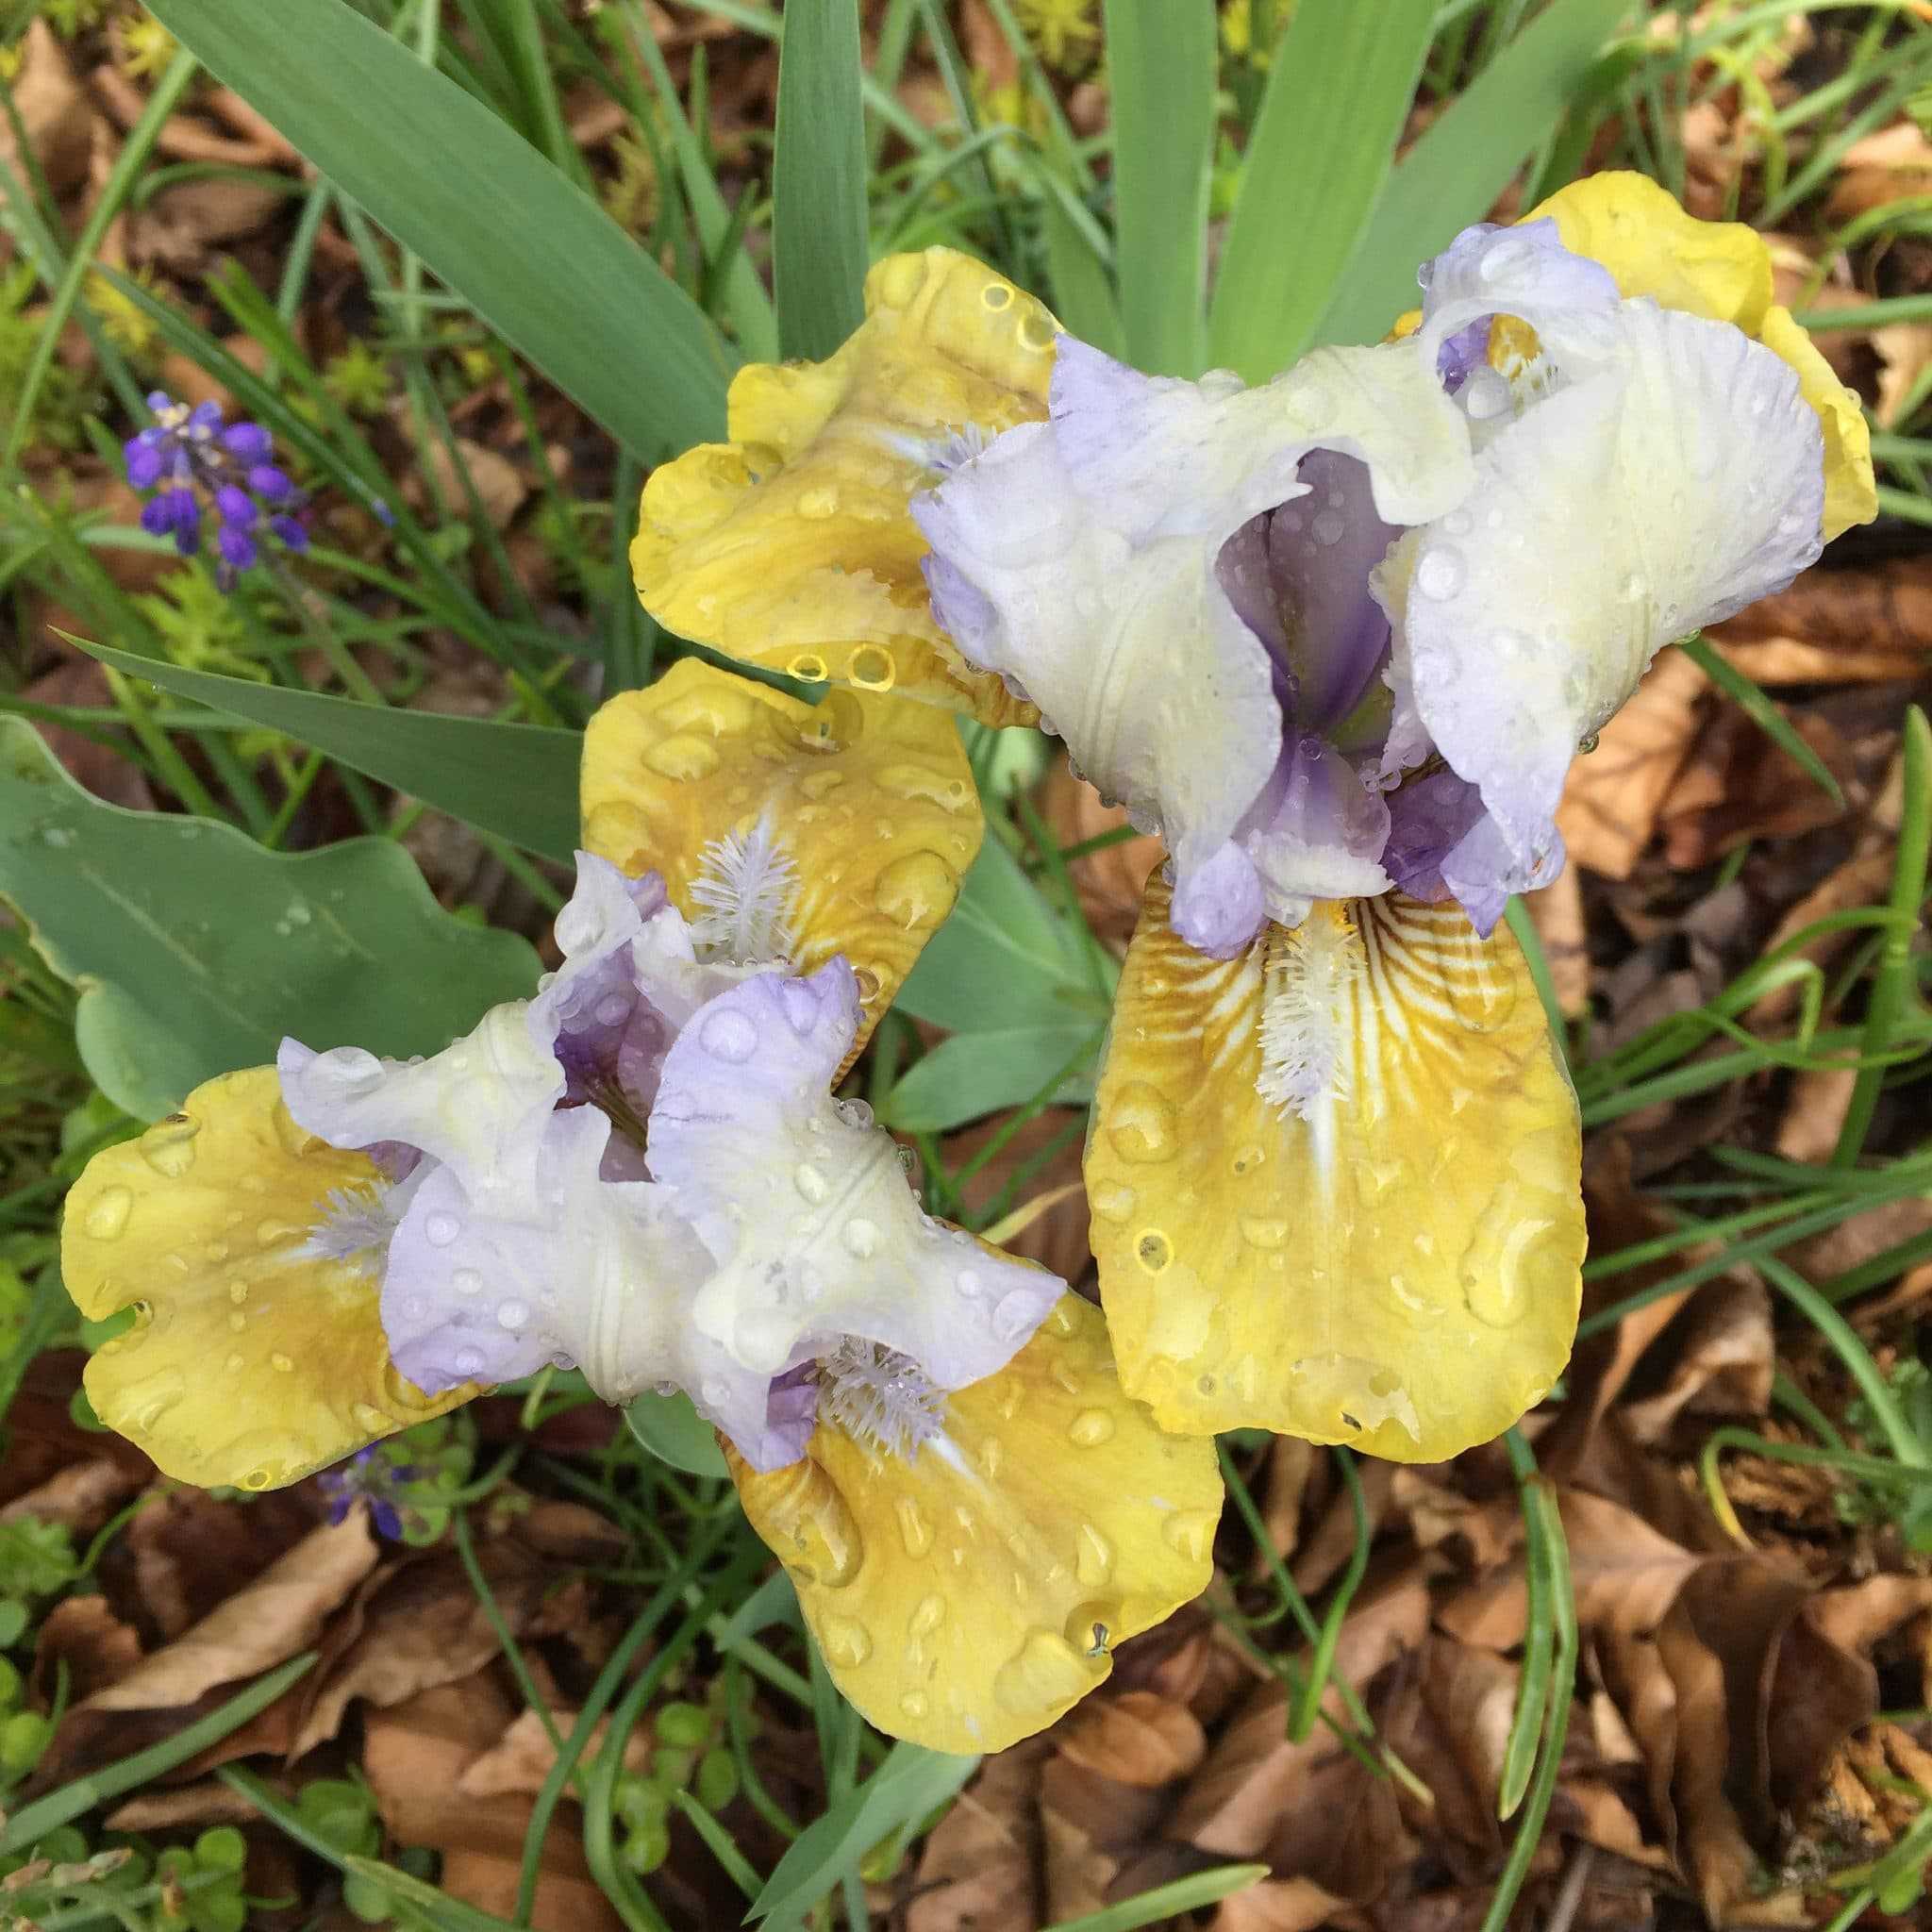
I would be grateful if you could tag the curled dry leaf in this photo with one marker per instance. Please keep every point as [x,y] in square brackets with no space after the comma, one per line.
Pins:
[53,111]
[415,1755]
[83,1636]
[980,1869]
[1140,1739]
[1611,799]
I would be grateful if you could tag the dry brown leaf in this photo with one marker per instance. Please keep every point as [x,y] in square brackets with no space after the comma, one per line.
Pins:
[1739,786]
[1090,1825]
[95,1647]
[1139,1738]
[979,1870]
[1890,165]
[1556,913]
[1884,605]
[53,111]
[1904,350]
[498,483]
[1815,1109]
[415,1755]
[1277,1905]
[1611,799]
[1776,660]
[209,1801]
[191,1552]
[80,1497]
[1725,1359]
[1110,882]
[1059,1238]
[422,1625]
[262,1625]
[523,1757]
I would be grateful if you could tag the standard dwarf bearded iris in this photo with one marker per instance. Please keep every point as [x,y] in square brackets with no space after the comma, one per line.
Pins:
[642,1173]
[1337,638]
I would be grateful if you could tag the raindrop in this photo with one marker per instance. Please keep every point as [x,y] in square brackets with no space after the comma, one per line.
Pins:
[727,1035]
[613,1009]
[1016,1316]
[467,1281]
[1090,1428]
[469,1362]
[1328,528]
[812,1184]
[441,1229]
[1441,572]
[861,1237]
[108,1214]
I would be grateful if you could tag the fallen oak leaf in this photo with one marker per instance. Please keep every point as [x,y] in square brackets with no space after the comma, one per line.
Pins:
[1139,1738]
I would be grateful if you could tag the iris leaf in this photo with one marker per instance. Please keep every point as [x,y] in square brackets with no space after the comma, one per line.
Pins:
[532,252]
[519,781]
[1337,93]
[1161,69]
[819,179]
[195,951]
[1454,173]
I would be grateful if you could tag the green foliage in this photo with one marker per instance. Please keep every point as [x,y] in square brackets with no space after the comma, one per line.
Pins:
[641,358]
[200,627]
[516,780]
[65,396]
[36,1558]
[195,951]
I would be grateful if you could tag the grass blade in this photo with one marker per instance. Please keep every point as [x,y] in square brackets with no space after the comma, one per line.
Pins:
[535,255]
[1745,695]
[1456,170]
[1161,64]
[519,781]
[819,179]
[1337,93]
[1169,1900]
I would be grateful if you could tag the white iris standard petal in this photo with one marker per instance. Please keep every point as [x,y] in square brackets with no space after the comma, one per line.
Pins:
[1620,512]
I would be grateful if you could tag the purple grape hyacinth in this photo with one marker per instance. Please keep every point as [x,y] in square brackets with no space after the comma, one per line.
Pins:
[195,462]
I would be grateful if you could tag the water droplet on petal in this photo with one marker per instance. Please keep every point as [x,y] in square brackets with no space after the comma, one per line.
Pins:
[370,1417]
[848,1643]
[613,1009]
[439,1229]
[915,1704]
[1441,572]
[861,1237]
[467,1281]
[1328,527]
[108,1213]
[1093,1559]
[728,1035]
[927,1616]
[1045,1674]
[917,890]
[167,1147]
[812,1185]
[1090,1428]
[512,1314]
[1190,1533]
[281,1364]
[1152,1250]
[1112,1201]
[1142,1124]
[469,1362]
[915,1529]
[801,1008]
[1017,1315]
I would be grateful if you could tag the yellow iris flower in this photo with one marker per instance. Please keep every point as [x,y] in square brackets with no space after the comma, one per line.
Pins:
[1396,1263]
[963,1595]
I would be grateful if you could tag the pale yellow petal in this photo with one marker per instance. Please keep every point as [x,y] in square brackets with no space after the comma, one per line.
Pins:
[248,1362]
[791,546]
[872,799]
[1721,270]
[1399,1271]
[1636,229]
[1851,491]
[965,1599]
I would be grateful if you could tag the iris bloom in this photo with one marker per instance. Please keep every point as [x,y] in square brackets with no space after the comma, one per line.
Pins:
[1337,638]
[642,1173]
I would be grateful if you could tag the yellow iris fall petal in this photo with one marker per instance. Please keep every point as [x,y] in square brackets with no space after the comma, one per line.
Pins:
[964,1599]
[1721,270]
[872,800]
[791,546]
[1398,1269]
[249,1363]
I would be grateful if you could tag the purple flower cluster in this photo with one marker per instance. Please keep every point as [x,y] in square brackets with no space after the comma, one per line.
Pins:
[193,461]
[371,1475]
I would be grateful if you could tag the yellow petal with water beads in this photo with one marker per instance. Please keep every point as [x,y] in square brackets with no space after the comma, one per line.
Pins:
[966,1598]
[249,1362]
[791,546]
[1721,270]
[1386,1253]
[871,801]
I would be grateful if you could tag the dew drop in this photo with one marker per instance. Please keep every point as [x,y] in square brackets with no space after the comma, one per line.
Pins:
[915,1528]
[1190,1533]
[872,668]
[1090,1428]
[1113,1202]
[801,1008]
[613,1010]
[854,1113]
[1016,1316]
[1247,1158]
[281,1364]
[1045,1674]
[236,1363]
[1263,1231]
[846,1642]
[1152,1250]
[512,1315]
[917,890]
[811,1184]
[727,1035]
[683,757]
[467,1281]
[168,1147]
[1441,572]
[370,1417]
[469,1362]
[817,502]
[1094,1557]
[861,1237]
[927,1616]
[1142,1124]
[1328,527]
[441,1229]
[106,1214]
[915,1704]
